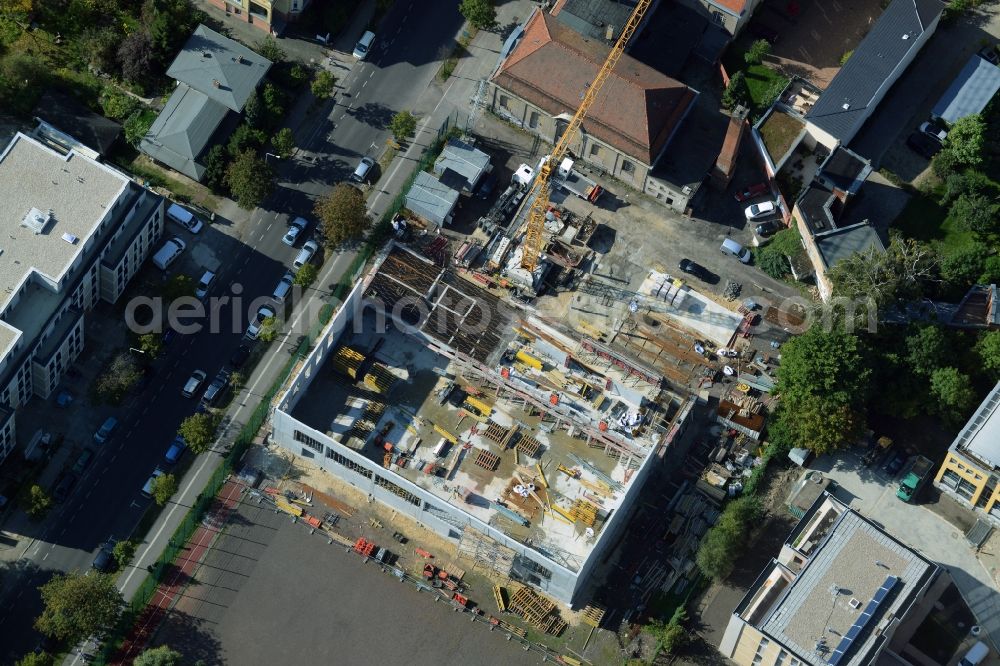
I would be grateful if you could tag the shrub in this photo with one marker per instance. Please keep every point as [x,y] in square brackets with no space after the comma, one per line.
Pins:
[117,105]
[757,52]
[736,93]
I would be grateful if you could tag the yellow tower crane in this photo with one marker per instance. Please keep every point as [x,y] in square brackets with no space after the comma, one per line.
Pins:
[533,240]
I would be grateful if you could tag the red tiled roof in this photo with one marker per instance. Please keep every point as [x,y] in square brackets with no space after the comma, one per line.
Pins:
[735,6]
[636,111]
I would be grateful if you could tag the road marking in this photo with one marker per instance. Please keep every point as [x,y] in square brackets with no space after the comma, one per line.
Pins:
[373,71]
[113,457]
[269,226]
[261,237]
[87,496]
[45,557]
[364,84]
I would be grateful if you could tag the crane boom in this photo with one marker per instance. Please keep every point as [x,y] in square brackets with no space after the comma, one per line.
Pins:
[539,195]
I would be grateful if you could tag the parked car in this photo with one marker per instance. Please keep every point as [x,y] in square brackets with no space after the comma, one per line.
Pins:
[104,561]
[760,210]
[697,270]
[204,285]
[923,145]
[176,450]
[82,461]
[364,170]
[364,45]
[264,312]
[193,384]
[216,389]
[935,130]
[185,218]
[240,356]
[751,191]
[295,227]
[64,487]
[894,464]
[147,488]
[107,429]
[768,229]
[305,254]
[734,249]
[486,186]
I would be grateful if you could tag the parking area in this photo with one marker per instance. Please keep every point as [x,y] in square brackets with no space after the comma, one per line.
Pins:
[870,491]
[909,102]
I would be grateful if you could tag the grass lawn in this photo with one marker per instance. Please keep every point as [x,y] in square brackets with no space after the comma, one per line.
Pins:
[778,133]
[760,79]
[925,220]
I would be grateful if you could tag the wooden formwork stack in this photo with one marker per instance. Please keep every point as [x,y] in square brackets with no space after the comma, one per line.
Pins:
[537,610]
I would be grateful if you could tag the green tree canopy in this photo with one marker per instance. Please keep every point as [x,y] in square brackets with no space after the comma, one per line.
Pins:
[975,212]
[927,349]
[306,275]
[480,13]
[757,52]
[323,84]
[736,92]
[403,125]
[726,541]
[198,430]
[158,656]
[38,502]
[36,659]
[250,179]
[966,139]
[117,380]
[901,272]
[954,394]
[343,215]
[283,143]
[961,269]
[988,350]
[78,606]
[216,161]
[245,137]
[123,553]
[268,47]
[164,487]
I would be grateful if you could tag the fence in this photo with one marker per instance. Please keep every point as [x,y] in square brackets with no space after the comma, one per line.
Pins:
[257,418]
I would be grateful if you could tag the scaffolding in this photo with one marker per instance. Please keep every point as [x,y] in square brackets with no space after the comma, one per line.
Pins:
[486,553]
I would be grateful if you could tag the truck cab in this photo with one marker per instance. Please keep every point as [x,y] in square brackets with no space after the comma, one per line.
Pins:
[915,475]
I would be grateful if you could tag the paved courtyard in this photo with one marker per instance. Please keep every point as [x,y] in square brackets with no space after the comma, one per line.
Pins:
[867,490]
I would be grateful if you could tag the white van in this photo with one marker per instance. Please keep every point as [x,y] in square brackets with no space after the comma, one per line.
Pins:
[168,254]
[364,45]
[731,247]
[284,286]
[975,654]
[185,218]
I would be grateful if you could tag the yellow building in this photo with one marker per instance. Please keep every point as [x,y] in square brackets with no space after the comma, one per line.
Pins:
[970,471]
[265,14]
[842,592]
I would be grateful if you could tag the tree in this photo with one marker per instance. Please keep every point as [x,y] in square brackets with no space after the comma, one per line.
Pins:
[670,635]
[123,553]
[274,104]
[988,350]
[969,181]
[480,13]
[169,23]
[250,179]
[885,277]
[736,93]
[343,215]
[101,48]
[78,606]
[136,126]
[117,379]
[966,139]
[158,656]
[944,164]
[253,111]
[724,543]
[198,430]
[164,487]
[245,138]
[403,125]
[975,212]
[961,269]
[306,275]
[179,286]
[117,105]
[757,52]
[151,344]
[237,379]
[323,84]
[36,659]
[268,47]
[268,329]
[283,143]
[38,502]
[215,169]
[135,57]
[926,349]
[953,392]
[773,263]
[991,271]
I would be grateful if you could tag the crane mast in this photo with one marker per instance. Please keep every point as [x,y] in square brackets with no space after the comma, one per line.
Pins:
[539,195]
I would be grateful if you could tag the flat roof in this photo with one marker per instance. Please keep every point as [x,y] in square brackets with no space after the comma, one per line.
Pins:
[981,434]
[71,193]
[849,560]
[431,199]
[467,161]
[847,241]
[970,92]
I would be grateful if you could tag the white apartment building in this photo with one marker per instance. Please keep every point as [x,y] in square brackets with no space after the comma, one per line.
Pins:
[75,231]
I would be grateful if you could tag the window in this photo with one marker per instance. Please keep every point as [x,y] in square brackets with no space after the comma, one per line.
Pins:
[397,490]
[594,149]
[627,167]
[308,441]
[533,120]
[348,463]
[504,101]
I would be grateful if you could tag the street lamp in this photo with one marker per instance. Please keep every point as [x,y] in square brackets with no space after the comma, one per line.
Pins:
[266,155]
[141,351]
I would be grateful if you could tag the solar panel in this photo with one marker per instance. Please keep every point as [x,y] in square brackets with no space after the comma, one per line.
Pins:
[863,619]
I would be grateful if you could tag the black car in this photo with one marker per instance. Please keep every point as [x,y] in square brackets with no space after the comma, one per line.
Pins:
[923,145]
[104,561]
[240,356]
[216,389]
[698,271]
[895,463]
[486,187]
[767,229]
[64,487]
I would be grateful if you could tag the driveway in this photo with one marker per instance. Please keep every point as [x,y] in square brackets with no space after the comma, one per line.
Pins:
[868,491]
[910,100]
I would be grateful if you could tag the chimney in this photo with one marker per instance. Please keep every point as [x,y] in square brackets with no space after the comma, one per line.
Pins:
[609,33]
[215,82]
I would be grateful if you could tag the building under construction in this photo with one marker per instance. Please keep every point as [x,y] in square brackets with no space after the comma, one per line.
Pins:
[524,443]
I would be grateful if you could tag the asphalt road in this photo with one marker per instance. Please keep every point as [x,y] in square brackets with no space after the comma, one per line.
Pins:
[106,500]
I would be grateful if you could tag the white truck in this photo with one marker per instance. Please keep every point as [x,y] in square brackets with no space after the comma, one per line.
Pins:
[168,254]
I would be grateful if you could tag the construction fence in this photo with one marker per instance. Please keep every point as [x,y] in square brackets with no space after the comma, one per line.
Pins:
[259,416]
